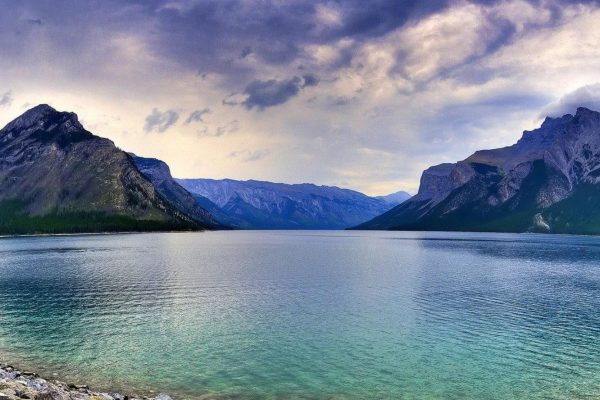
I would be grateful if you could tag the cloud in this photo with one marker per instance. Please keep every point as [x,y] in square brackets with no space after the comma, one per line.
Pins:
[340,101]
[246,51]
[234,99]
[249,156]
[6,99]
[196,116]
[587,96]
[159,121]
[264,94]
[241,38]
[230,127]
[418,82]
[310,80]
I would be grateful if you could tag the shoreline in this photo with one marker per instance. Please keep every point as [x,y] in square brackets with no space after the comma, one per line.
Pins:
[107,233]
[23,385]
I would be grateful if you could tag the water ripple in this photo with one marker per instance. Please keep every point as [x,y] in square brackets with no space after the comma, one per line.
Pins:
[287,315]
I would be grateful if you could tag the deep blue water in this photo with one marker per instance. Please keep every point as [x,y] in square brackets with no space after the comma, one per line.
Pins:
[315,315]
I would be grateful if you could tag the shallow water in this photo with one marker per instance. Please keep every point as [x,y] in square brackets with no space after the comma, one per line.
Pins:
[349,315]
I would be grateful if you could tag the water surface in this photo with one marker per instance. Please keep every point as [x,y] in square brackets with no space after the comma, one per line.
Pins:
[307,315]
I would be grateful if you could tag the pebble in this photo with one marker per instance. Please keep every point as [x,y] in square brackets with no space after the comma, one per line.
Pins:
[50,395]
[21,394]
[28,385]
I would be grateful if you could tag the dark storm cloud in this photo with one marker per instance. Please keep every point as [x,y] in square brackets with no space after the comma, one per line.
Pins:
[264,94]
[160,121]
[310,80]
[211,36]
[382,16]
[72,37]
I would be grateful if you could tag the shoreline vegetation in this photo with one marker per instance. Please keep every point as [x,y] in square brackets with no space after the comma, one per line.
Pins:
[107,233]
[25,385]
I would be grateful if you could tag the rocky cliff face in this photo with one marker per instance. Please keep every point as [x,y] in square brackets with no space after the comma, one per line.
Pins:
[159,173]
[55,176]
[548,181]
[267,205]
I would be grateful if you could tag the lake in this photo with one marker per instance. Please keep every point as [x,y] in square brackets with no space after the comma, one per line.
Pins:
[307,315]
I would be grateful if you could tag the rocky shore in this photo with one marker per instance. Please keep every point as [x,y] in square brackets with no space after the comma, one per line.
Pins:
[19,385]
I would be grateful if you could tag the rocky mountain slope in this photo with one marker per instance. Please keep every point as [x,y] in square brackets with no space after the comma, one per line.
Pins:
[159,173]
[549,181]
[55,176]
[266,205]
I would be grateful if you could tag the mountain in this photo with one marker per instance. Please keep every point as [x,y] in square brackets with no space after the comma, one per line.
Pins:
[266,205]
[55,176]
[159,173]
[549,181]
[395,198]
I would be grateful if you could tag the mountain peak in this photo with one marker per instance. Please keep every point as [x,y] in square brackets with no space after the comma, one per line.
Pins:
[586,112]
[552,174]
[40,110]
[42,115]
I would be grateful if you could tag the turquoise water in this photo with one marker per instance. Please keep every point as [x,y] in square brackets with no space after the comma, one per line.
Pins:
[307,315]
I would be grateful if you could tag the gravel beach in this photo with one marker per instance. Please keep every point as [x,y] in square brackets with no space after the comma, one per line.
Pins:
[18,385]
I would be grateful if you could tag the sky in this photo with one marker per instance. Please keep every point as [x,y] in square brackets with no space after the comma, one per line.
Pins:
[357,94]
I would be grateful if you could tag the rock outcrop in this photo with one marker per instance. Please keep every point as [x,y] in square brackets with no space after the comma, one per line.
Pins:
[18,385]
[159,173]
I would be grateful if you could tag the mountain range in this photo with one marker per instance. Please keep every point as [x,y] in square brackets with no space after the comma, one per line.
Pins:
[266,205]
[56,177]
[549,181]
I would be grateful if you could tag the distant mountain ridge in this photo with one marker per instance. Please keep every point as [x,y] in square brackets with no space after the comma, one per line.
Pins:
[395,198]
[549,181]
[266,205]
[56,177]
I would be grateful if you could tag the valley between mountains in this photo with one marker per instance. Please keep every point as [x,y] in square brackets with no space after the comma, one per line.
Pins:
[57,177]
